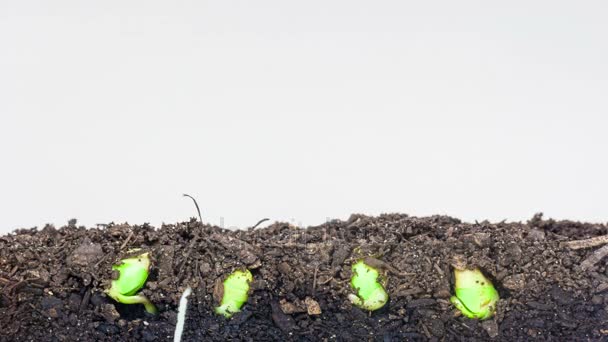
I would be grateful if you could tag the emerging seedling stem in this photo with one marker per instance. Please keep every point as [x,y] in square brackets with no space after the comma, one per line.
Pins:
[235,293]
[475,296]
[370,294]
[133,274]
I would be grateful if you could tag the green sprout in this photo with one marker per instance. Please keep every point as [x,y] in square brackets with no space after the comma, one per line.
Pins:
[133,274]
[236,289]
[475,296]
[370,293]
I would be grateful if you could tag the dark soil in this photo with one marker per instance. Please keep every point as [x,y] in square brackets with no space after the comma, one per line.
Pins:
[52,281]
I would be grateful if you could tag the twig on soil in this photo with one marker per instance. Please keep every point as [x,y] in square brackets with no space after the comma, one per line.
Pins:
[36,285]
[426,330]
[4,281]
[7,288]
[325,281]
[101,260]
[259,222]
[464,325]
[379,264]
[287,245]
[85,301]
[587,243]
[186,259]
[438,269]
[197,207]
[314,282]
[594,258]
[16,287]
[127,240]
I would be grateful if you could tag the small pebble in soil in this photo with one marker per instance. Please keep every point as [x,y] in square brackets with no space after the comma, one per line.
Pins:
[108,311]
[313,308]
[491,327]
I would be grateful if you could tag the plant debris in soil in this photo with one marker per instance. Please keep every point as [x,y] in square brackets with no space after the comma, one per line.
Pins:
[551,287]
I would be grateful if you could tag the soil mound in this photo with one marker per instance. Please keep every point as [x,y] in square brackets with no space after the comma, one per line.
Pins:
[551,287]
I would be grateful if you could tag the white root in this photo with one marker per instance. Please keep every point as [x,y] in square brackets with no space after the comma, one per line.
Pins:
[181,315]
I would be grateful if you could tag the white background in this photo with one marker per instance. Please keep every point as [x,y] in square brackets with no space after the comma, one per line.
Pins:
[301,110]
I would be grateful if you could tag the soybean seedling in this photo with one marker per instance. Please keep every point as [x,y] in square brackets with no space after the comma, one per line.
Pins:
[475,296]
[133,274]
[370,294]
[235,293]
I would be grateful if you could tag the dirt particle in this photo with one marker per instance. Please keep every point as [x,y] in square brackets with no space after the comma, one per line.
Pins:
[74,301]
[442,292]
[340,254]
[284,268]
[560,295]
[291,307]
[259,284]
[514,282]
[97,299]
[52,306]
[597,300]
[479,239]
[218,290]
[205,268]
[108,329]
[86,254]
[422,302]
[491,327]
[539,306]
[403,290]
[85,301]
[437,328]
[312,306]
[86,279]
[281,320]
[536,234]
[109,313]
